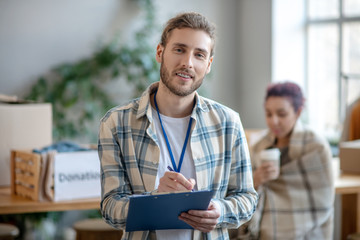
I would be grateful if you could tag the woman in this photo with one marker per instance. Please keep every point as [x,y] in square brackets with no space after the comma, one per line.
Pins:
[296,197]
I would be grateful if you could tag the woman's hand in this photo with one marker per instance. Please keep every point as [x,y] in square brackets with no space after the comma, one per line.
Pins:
[267,171]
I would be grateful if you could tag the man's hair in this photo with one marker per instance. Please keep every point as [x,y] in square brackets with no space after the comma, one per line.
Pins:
[189,20]
[290,90]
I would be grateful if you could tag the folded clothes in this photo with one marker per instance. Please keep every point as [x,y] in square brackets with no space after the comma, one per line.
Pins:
[62,146]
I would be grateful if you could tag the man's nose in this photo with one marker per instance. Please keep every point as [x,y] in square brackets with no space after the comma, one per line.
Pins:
[187,60]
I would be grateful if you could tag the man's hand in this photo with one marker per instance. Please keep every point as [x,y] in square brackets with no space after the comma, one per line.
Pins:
[204,221]
[173,181]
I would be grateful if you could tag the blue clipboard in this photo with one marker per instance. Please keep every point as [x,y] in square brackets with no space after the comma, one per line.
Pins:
[161,211]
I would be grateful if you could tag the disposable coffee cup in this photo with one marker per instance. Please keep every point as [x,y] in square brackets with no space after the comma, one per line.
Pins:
[271,155]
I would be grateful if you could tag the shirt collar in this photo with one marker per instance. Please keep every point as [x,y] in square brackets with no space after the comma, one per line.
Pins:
[144,102]
[145,106]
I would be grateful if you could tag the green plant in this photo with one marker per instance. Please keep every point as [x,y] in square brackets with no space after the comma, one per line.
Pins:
[77,90]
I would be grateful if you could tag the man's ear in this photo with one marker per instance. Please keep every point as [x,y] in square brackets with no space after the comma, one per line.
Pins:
[209,64]
[159,52]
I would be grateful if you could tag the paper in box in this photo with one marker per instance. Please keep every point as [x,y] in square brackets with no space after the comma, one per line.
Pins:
[349,155]
[22,126]
[76,175]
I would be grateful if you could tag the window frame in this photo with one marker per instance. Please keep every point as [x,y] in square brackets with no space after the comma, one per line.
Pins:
[342,78]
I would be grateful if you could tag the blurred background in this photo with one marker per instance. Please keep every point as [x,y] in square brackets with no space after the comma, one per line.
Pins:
[86,56]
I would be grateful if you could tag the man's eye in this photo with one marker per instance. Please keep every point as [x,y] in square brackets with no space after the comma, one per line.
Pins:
[179,50]
[200,55]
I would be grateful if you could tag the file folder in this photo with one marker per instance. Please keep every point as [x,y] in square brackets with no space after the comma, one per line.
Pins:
[161,211]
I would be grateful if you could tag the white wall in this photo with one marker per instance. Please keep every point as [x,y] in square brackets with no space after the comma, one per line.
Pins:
[37,35]
[254,54]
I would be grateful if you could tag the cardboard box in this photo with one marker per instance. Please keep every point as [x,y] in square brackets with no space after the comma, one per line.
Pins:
[22,126]
[55,176]
[349,155]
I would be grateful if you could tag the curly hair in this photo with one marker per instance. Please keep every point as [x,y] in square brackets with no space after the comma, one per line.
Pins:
[287,89]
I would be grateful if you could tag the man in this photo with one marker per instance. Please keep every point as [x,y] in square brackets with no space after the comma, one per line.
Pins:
[171,127]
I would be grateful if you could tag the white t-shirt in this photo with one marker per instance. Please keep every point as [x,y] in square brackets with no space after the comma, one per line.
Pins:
[175,129]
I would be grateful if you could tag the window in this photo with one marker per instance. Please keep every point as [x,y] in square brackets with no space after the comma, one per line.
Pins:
[332,61]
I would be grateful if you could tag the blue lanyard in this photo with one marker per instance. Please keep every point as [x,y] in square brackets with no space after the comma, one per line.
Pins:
[176,169]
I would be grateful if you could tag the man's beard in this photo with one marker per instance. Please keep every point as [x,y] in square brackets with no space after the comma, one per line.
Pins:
[166,79]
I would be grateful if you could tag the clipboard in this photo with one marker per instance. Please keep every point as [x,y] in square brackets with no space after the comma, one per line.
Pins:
[161,211]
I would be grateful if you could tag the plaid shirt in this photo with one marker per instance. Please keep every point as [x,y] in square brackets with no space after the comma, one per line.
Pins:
[129,154]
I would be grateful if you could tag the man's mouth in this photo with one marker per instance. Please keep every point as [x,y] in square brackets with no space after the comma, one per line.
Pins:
[184,75]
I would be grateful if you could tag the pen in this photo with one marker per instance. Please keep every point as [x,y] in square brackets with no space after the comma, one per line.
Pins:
[172,170]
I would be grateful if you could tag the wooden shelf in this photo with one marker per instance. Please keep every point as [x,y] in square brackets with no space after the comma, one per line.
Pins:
[345,183]
[10,204]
